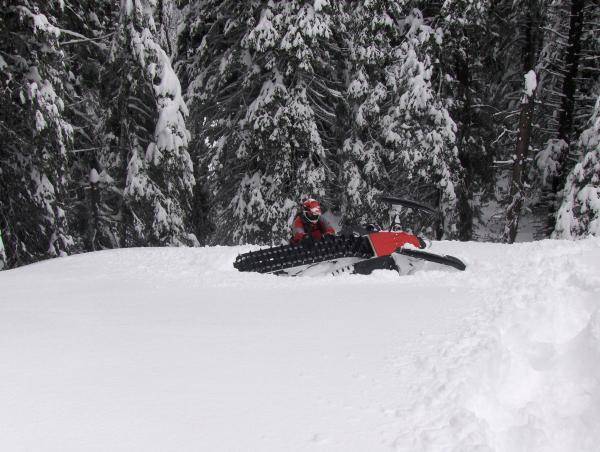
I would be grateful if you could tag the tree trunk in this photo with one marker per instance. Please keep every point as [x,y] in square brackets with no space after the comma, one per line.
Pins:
[516,187]
[464,192]
[516,195]
[94,215]
[124,152]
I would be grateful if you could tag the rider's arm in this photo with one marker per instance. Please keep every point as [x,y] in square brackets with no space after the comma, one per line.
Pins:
[298,232]
[325,227]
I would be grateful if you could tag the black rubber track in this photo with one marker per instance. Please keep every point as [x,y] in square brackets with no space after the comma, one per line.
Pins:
[306,252]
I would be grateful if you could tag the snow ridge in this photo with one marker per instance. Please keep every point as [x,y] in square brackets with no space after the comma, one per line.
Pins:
[525,374]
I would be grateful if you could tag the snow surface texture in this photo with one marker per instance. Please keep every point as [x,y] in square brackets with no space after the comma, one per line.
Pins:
[173,349]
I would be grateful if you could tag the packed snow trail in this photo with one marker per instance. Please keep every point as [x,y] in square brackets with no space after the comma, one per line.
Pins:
[172,349]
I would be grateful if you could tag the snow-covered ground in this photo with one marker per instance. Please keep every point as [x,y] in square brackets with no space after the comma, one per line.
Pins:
[174,350]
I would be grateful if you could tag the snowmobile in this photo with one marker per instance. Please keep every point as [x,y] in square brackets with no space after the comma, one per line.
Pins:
[361,251]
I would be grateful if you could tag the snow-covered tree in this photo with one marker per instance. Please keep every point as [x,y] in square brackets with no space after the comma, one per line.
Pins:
[516,192]
[3,261]
[403,139]
[443,102]
[254,77]
[569,71]
[373,29]
[213,70]
[530,33]
[579,214]
[34,133]
[87,29]
[465,61]
[145,152]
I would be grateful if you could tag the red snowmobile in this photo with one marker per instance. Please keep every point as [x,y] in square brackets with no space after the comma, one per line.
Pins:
[358,252]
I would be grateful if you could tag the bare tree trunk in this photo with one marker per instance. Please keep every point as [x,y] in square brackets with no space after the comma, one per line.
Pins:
[516,187]
[464,191]
[94,216]
[125,153]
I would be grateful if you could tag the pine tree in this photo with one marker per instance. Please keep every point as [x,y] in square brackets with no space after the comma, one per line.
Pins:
[88,27]
[466,61]
[373,29]
[253,81]
[145,154]
[34,133]
[403,139]
[569,73]
[3,260]
[579,214]
[529,57]
[213,68]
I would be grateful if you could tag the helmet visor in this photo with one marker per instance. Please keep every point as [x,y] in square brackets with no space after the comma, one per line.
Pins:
[313,214]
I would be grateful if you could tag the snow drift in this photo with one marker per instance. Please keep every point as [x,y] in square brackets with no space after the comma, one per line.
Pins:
[173,349]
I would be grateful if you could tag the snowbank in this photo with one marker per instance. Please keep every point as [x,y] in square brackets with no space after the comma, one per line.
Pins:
[172,349]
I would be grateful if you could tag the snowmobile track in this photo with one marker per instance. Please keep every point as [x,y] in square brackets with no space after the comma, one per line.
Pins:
[306,252]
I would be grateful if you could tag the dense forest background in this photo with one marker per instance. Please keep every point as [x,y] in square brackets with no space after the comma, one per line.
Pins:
[167,123]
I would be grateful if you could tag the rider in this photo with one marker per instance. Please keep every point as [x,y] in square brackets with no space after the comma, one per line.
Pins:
[310,223]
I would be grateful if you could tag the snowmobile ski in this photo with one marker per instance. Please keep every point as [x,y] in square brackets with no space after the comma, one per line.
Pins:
[405,261]
[368,266]
[445,259]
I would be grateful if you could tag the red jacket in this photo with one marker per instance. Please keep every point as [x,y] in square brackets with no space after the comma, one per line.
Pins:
[302,228]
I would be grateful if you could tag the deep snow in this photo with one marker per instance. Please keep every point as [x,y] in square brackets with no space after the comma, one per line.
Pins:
[173,349]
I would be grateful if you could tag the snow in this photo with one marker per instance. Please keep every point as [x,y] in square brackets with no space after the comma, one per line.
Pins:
[173,349]
[40,22]
[264,35]
[320,5]
[94,176]
[2,253]
[530,83]
[127,6]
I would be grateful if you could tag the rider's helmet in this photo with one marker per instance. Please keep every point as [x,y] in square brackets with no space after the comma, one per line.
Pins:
[311,210]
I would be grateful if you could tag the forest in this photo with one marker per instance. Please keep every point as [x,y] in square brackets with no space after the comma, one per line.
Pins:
[128,123]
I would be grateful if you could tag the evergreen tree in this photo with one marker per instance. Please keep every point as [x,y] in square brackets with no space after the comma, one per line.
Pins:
[531,34]
[579,214]
[212,68]
[88,27]
[34,133]
[145,154]
[365,161]
[447,103]
[569,75]
[467,65]
[403,139]
[256,97]
[3,261]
